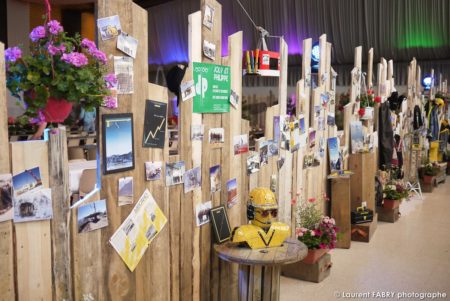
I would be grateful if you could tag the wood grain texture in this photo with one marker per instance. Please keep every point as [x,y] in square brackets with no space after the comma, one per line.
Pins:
[340,209]
[363,180]
[6,228]
[309,272]
[370,69]
[33,239]
[61,236]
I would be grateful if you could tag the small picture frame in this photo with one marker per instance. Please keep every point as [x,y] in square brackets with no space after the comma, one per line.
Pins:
[221,225]
[117,130]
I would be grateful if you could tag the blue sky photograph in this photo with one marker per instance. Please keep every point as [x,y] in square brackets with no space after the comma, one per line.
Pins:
[85,210]
[26,178]
[118,136]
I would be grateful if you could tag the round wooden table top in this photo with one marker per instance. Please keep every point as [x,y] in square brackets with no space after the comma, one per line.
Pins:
[291,251]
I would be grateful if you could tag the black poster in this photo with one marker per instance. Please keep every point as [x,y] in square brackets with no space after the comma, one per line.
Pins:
[154,124]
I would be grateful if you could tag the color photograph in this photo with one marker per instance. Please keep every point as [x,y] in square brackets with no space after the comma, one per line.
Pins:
[232,193]
[27,180]
[357,136]
[240,144]
[92,216]
[312,138]
[109,27]
[216,135]
[202,213]
[333,152]
[192,179]
[215,175]
[125,191]
[264,153]
[118,151]
[33,206]
[253,163]
[6,205]
[175,173]
[153,170]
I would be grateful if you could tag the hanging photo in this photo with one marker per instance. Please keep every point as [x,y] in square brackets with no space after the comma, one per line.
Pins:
[187,90]
[215,176]
[197,132]
[28,180]
[216,135]
[301,124]
[154,124]
[317,110]
[118,142]
[324,98]
[273,148]
[153,170]
[240,144]
[202,211]
[312,138]
[127,44]
[333,152]
[109,27]
[280,162]
[209,50]
[6,197]
[208,17]
[357,136]
[234,99]
[322,147]
[192,179]
[253,163]
[232,193]
[125,191]
[175,173]
[321,123]
[264,153]
[123,69]
[92,216]
[276,128]
[33,206]
[285,132]
[331,119]
[295,136]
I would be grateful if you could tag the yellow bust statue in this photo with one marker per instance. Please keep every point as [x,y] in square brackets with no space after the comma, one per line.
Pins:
[263,231]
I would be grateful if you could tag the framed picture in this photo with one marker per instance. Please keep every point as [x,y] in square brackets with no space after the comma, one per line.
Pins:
[221,225]
[118,142]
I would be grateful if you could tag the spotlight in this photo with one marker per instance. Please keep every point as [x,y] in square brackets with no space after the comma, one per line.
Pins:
[426,82]
[315,52]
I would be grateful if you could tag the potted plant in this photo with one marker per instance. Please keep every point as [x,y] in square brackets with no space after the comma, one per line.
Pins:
[429,172]
[366,104]
[393,194]
[59,71]
[317,232]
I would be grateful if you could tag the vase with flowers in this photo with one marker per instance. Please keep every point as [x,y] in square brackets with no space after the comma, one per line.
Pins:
[393,194]
[58,71]
[430,171]
[366,104]
[316,231]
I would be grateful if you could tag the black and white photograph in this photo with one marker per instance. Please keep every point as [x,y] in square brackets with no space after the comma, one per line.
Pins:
[125,191]
[215,176]
[175,173]
[124,71]
[197,131]
[192,179]
[6,203]
[153,170]
[187,90]
[209,50]
[127,44]
[118,149]
[273,148]
[264,153]
[331,119]
[33,206]
[208,17]
[253,163]
[109,27]
[280,162]
[28,180]
[155,124]
[234,99]
[202,213]
[92,216]
[321,123]
[240,144]
[216,135]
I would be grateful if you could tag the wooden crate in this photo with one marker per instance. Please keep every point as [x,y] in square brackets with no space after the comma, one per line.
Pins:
[428,187]
[388,215]
[364,232]
[316,272]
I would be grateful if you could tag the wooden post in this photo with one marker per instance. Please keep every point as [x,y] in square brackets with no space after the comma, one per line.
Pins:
[61,238]
[340,209]
[6,228]
[370,69]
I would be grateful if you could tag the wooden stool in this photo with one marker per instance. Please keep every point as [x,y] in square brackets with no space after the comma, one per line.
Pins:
[259,270]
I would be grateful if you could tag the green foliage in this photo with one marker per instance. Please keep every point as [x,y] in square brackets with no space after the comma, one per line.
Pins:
[395,192]
[308,216]
[431,170]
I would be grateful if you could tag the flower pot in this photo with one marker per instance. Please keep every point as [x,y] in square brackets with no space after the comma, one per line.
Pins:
[391,204]
[57,110]
[314,255]
[428,179]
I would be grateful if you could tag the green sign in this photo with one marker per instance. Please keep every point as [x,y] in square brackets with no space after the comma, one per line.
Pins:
[212,87]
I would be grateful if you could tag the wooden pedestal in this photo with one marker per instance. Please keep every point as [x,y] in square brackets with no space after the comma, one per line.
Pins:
[340,209]
[363,180]
[315,272]
[388,215]
[364,232]
[259,270]
[428,187]
[440,178]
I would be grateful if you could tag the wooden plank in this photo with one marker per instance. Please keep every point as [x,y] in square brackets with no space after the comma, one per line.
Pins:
[61,238]
[364,232]
[370,69]
[340,209]
[33,239]
[363,180]
[6,228]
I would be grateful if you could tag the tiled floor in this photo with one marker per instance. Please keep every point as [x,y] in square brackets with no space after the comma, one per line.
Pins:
[411,255]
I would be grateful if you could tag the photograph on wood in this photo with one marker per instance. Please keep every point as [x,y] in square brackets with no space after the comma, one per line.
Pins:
[221,225]
[92,216]
[216,135]
[187,90]
[153,170]
[6,203]
[240,144]
[192,179]
[175,173]
[202,213]
[215,175]
[232,193]
[127,44]
[118,142]
[109,27]
[253,163]
[197,132]
[154,124]
[125,191]
[33,206]
[28,180]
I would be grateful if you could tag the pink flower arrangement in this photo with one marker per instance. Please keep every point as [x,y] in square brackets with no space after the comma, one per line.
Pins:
[323,236]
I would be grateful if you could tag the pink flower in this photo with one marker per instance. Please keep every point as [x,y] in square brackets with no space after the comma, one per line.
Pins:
[332,221]
[312,233]
[88,44]
[311,200]
[54,50]
[37,33]
[75,58]
[377,99]
[322,246]
[110,102]
[111,80]
[54,27]
[99,55]
[13,54]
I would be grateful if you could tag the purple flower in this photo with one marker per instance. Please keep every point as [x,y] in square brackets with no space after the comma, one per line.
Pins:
[13,54]
[54,27]
[75,58]
[54,50]
[110,102]
[86,43]
[111,80]
[37,33]
[99,55]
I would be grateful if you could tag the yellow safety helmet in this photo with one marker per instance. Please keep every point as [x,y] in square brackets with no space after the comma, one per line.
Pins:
[262,207]
[439,101]
[264,198]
